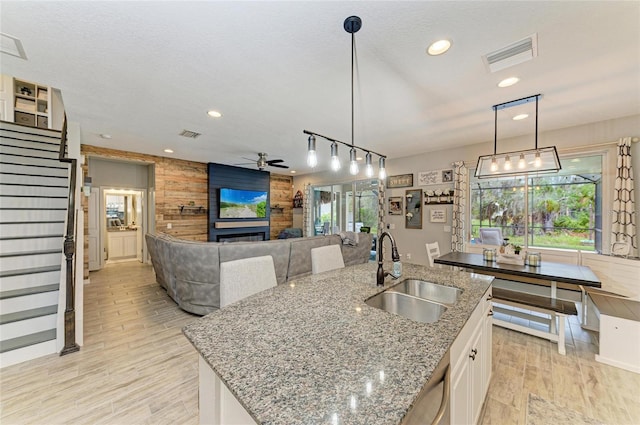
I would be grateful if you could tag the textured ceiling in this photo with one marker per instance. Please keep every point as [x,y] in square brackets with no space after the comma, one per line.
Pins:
[144,71]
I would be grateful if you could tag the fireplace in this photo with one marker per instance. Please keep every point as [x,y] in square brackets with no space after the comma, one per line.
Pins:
[241,237]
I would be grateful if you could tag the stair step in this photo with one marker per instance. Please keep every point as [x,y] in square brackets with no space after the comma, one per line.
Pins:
[31,244]
[7,148]
[32,270]
[15,283]
[28,314]
[29,291]
[29,160]
[9,128]
[53,171]
[19,262]
[25,184]
[16,216]
[32,202]
[26,141]
[36,191]
[22,176]
[27,340]
[14,238]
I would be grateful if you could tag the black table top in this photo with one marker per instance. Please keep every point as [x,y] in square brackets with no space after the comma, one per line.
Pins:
[566,273]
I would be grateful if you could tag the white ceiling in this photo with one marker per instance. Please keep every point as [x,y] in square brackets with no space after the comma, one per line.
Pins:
[144,71]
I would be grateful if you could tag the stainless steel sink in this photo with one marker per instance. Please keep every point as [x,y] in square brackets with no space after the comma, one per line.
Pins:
[408,306]
[428,290]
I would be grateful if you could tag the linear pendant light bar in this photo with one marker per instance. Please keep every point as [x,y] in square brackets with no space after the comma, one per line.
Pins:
[537,160]
[351,25]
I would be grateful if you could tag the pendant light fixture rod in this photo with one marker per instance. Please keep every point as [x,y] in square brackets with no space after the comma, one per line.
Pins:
[537,120]
[353,46]
[495,131]
[343,143]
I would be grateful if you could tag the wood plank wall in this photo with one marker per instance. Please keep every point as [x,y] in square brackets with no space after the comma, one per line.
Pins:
[282,197]
[177,182]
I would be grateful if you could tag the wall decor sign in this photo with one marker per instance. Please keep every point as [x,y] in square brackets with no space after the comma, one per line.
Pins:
[395,205]
[413,214]
[438,216]
[426,178]
[401,180]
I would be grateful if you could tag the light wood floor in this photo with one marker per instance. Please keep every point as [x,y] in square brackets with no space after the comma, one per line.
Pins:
[137,368]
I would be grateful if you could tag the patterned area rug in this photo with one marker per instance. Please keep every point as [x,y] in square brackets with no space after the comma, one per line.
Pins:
[543,412]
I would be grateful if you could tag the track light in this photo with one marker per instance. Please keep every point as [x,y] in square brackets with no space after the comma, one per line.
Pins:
[507,163]
[335,159]
[382,173]
[312,158]
[521,162]
[368,167]
[353,162]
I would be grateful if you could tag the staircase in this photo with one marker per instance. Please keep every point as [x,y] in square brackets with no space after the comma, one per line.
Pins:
[33,208]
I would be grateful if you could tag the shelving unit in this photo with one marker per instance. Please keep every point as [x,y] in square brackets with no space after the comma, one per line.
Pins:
[193,209]
[31,104]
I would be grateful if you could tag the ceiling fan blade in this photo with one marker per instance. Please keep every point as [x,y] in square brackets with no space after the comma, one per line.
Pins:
[279,166]
[274,161]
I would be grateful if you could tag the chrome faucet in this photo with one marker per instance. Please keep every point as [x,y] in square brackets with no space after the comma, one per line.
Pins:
[394,255]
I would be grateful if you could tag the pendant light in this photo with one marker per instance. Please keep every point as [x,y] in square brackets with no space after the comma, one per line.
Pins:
[351,25]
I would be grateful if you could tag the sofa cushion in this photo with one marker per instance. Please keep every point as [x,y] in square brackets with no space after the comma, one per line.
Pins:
[278,249]
[165,257]
[155,260]
[300,256]
[357,254]
[196,267]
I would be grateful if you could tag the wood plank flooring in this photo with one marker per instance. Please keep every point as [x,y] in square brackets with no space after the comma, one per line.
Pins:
[136,367]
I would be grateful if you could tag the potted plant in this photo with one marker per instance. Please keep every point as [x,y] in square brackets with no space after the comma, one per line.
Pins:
[516,249]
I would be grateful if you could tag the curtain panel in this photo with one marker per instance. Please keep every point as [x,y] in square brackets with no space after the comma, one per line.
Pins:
[623,227]
[458,220]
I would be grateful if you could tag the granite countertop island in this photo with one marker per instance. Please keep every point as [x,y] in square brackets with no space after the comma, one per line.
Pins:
[311,350]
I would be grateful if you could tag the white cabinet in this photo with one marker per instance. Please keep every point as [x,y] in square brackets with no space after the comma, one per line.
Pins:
[122,244]
[471,365]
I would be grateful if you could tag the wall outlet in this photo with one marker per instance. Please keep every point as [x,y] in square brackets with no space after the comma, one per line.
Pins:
[408,256]
[392,226]
[447,229]
[169,226]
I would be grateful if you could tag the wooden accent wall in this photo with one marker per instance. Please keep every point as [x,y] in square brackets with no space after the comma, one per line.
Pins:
[177,182]
[282,196]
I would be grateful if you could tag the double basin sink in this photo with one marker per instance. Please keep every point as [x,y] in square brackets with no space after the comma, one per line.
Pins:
[417,300]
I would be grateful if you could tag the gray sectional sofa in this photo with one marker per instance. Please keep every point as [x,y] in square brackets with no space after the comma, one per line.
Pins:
[190,271]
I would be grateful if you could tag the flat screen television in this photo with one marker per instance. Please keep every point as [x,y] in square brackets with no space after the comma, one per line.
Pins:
[235,203]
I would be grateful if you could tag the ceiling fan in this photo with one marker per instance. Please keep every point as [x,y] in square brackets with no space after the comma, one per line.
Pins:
[262,162]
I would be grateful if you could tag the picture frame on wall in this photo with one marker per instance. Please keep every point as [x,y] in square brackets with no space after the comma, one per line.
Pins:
[437,215]
[413,214]
[395,205]
[426,178]
[401,180]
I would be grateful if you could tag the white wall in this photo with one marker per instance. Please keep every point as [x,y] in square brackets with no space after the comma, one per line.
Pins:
[585,138]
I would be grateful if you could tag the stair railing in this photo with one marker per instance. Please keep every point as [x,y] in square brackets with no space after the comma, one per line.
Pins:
[70,345]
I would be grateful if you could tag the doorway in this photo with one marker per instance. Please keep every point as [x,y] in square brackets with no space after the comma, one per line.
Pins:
[116,226]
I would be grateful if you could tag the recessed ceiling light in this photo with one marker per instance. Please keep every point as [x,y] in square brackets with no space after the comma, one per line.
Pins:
[292,171]
[214,114]
[508,82]
[520,117]
[168,150]
[439,47]
[105,136]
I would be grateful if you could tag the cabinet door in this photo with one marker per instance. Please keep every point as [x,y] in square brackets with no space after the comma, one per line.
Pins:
[476,360]
[460,395]
[130,243]
[488,344]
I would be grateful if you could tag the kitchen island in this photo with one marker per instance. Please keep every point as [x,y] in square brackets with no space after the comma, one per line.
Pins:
[312,351]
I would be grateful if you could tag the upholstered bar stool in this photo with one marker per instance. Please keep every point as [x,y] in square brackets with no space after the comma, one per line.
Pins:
[242,278]
[326,258]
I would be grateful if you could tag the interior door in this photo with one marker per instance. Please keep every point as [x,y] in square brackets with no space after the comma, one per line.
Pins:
[94,230]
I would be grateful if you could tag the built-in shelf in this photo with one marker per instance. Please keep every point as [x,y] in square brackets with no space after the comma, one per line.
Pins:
[440,197]
[277,208]
[193,209]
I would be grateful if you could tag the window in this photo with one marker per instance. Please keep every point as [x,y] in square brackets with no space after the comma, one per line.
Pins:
[345,207]
[560,210]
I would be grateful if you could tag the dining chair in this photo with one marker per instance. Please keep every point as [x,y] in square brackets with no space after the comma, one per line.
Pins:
[326,258]
[247,276]
[433,252]
[491,236]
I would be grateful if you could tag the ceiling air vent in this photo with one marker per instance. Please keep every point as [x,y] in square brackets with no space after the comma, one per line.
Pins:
[513,54]
[190,134]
